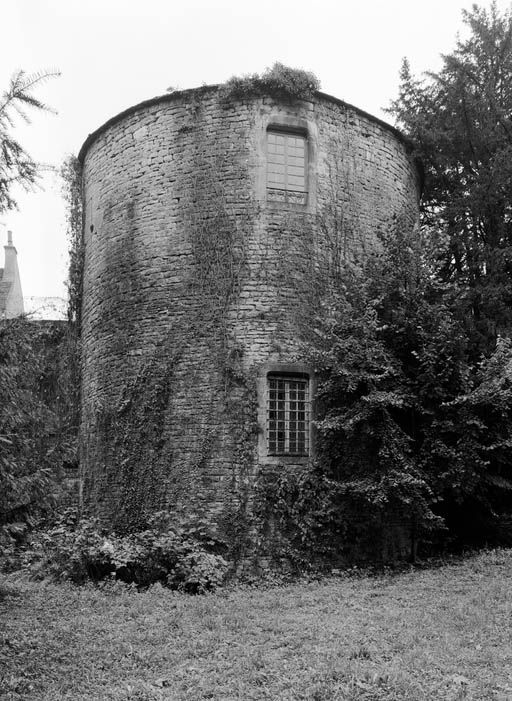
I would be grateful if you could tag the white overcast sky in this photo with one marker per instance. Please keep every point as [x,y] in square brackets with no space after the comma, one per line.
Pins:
[115,53]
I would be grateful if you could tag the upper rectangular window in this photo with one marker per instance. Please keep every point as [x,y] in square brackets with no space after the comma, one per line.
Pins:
[286,167]
[288,415]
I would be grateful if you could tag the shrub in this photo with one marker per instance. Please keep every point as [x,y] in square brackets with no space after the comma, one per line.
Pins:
[171,553]
[36,433]
[278,81]
[298,518]
[71,551]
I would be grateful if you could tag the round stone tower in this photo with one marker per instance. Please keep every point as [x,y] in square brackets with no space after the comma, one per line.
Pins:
[210,223]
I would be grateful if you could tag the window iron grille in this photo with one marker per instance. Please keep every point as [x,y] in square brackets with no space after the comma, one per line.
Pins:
[288,416]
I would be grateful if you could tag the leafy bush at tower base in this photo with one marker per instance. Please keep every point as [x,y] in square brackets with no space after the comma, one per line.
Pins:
[177,555]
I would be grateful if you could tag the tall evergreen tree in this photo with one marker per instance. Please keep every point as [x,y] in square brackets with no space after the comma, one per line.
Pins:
[460,120]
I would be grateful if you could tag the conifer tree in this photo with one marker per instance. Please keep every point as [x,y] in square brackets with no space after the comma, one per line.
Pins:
[460,120]
[17,167]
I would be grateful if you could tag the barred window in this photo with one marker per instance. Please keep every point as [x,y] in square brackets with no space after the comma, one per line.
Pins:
[288,415]
[286,167]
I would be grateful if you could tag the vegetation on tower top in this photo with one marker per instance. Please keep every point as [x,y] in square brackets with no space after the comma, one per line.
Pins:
[278,81]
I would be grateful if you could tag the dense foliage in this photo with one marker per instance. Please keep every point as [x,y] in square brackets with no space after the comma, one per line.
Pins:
[409,425]
[177,555]
[35,437]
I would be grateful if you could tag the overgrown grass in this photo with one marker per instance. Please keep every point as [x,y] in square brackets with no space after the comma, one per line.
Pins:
[442,633]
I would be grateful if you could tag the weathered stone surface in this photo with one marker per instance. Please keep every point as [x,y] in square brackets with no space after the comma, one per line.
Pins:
[194,281]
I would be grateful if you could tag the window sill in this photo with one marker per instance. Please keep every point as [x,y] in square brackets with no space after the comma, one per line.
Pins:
[286,207]
[285,199]
[287,455]
[284,460]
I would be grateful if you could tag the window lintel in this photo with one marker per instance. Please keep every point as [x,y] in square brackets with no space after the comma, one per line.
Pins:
[292,369]
[288,129]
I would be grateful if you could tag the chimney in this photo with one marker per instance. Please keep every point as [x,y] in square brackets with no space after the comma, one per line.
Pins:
[11,277]
[11,260]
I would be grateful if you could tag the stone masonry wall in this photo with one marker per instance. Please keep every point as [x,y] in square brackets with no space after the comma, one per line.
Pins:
[193,282]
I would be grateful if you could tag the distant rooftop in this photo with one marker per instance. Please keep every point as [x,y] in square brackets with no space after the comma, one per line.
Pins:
[11,296]
[46,308]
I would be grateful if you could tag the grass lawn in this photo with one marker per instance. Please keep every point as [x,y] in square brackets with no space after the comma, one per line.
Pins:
[444,633]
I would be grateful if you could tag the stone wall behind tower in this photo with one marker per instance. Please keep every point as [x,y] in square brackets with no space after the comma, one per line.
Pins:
[193,283]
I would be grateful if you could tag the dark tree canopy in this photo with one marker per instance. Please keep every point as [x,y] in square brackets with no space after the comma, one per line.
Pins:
[461,122]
